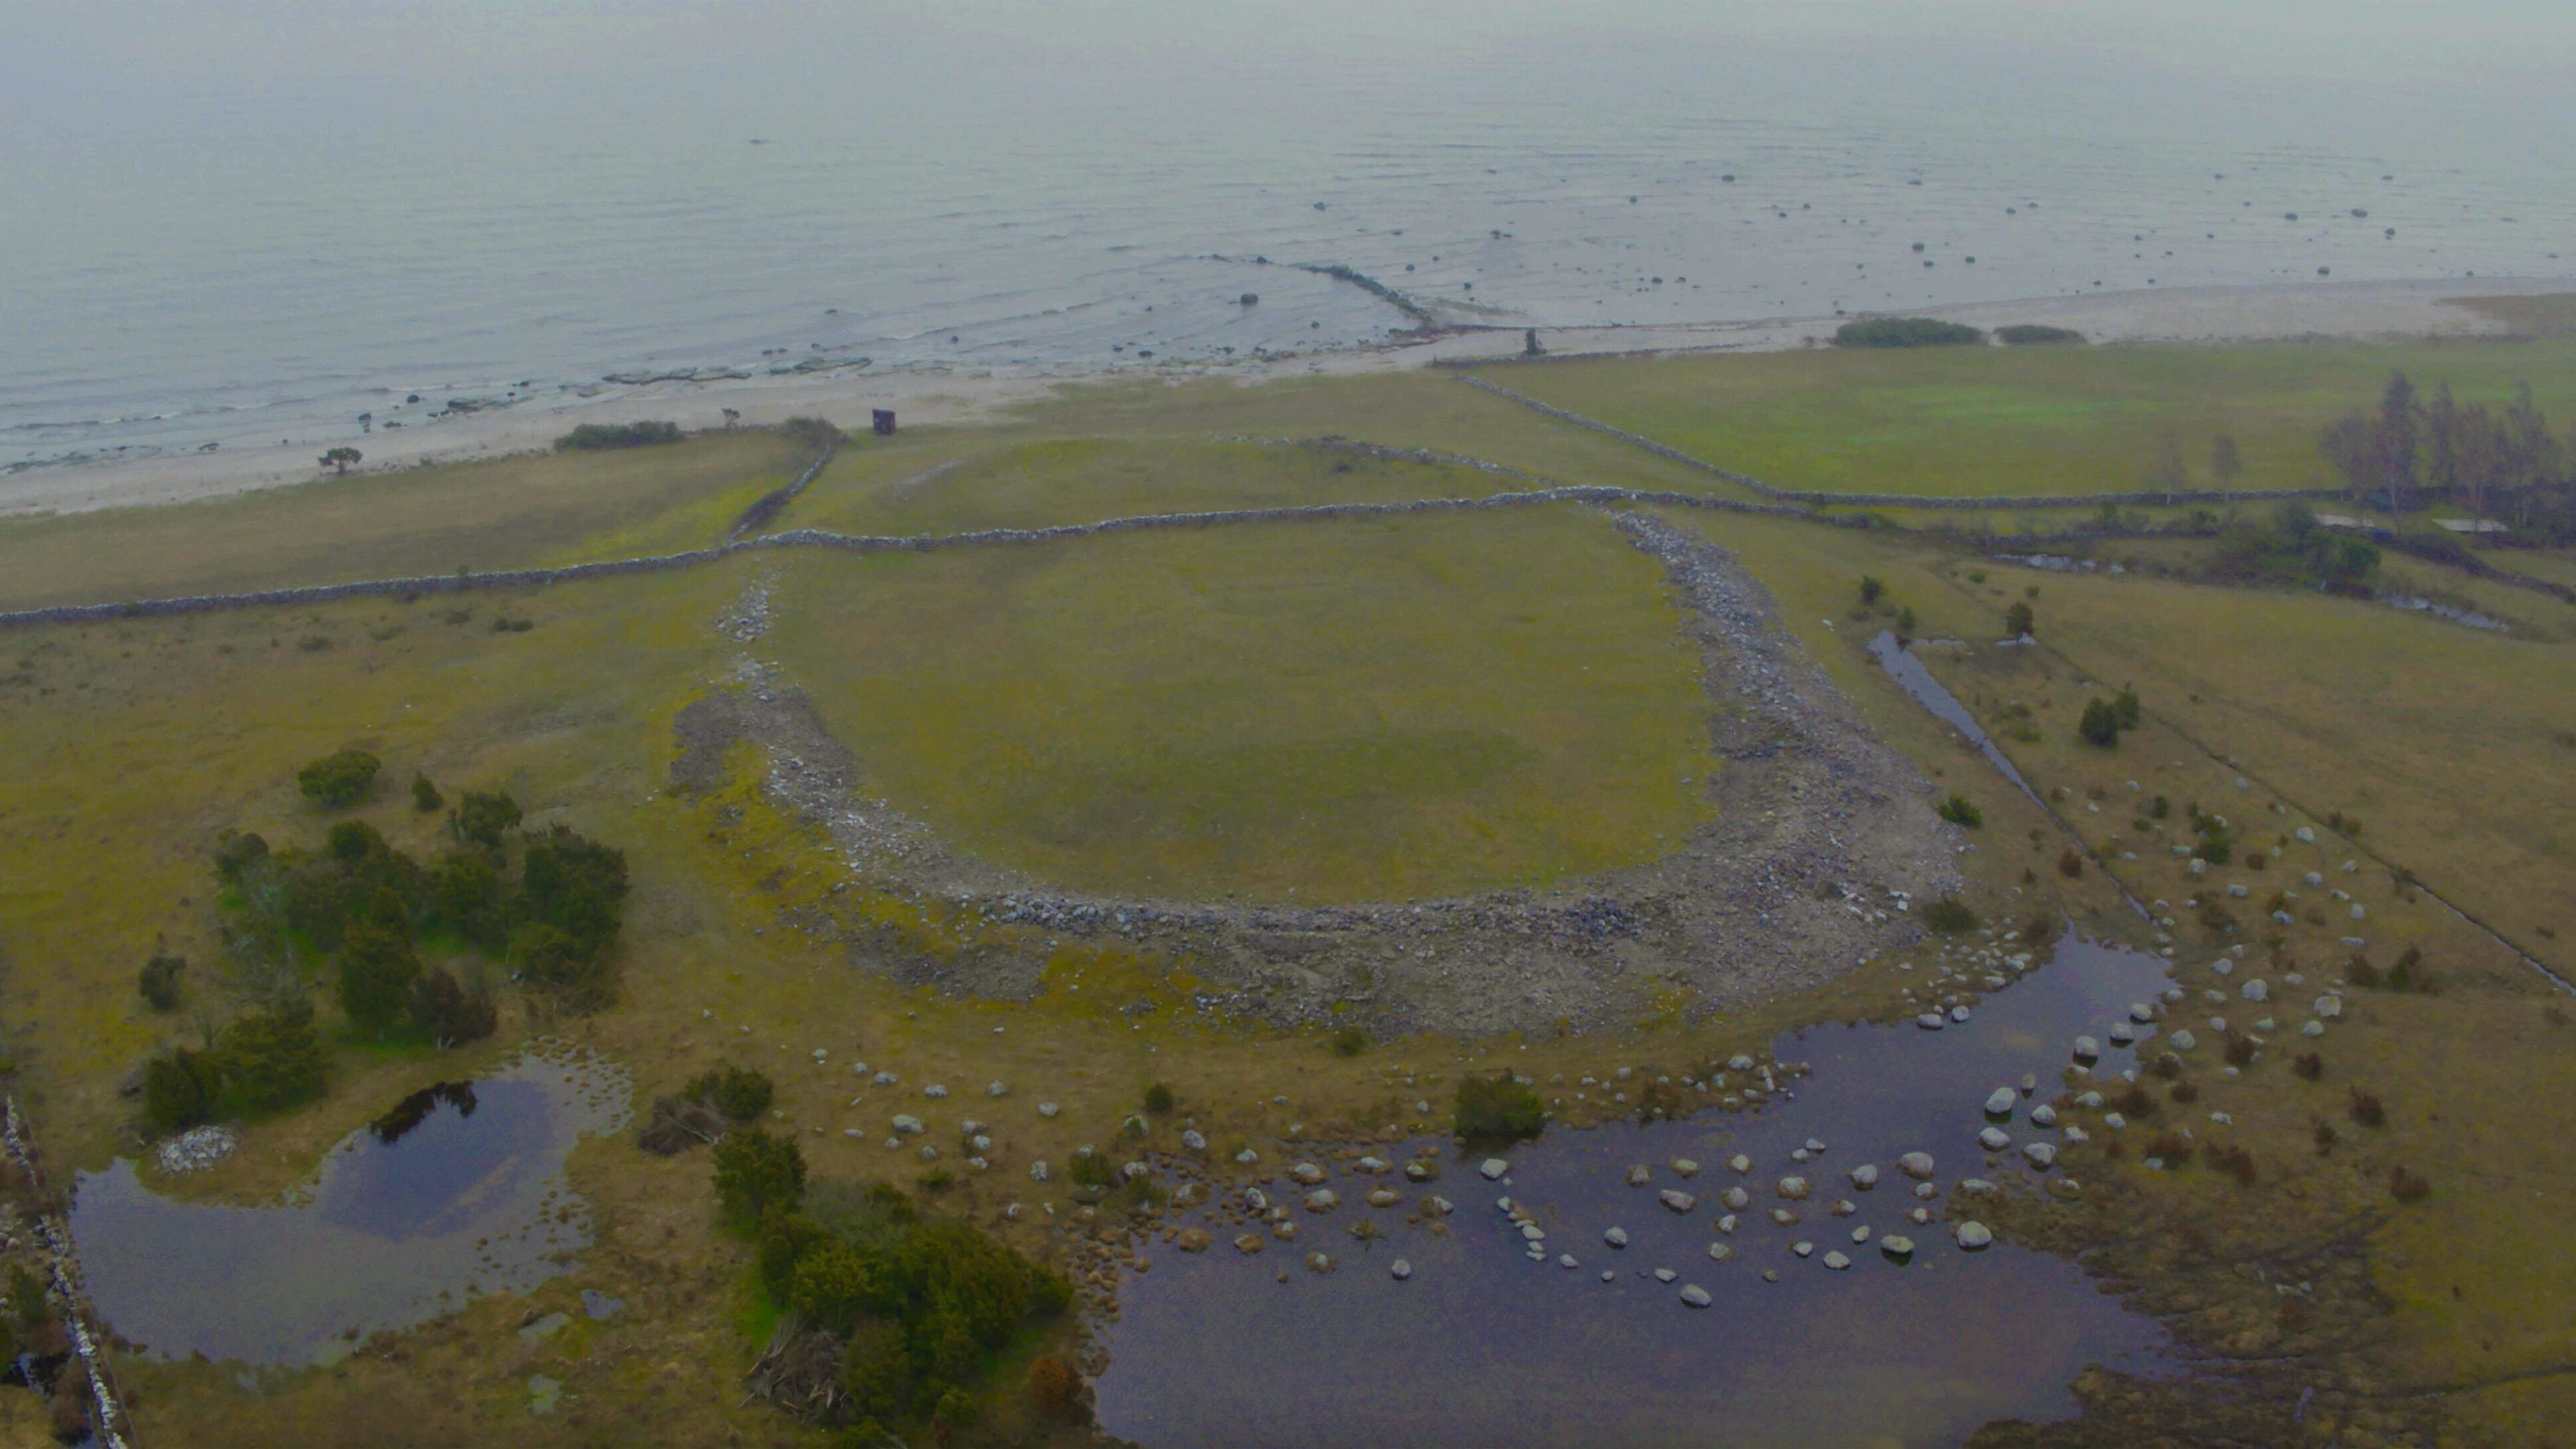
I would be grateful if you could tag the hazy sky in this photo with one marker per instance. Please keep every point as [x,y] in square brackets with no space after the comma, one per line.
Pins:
[46,43]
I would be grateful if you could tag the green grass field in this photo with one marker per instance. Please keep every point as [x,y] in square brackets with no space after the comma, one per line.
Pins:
[2453,746]
[1324,712]
[1965,422]
[1083,480]
[546,508]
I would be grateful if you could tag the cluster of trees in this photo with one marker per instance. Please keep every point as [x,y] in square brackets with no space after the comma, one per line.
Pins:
[595,437]
[1907,332]
[366,909]
[264,1060]
[2408,453]
[2105,719]
[921,1303]
[2033,334]
[2291,546]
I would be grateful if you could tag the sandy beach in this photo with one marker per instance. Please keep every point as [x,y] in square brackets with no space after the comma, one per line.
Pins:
[2213,315]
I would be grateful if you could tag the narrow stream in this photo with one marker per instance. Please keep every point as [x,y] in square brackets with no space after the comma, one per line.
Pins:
[457,1191]
[1486,1344]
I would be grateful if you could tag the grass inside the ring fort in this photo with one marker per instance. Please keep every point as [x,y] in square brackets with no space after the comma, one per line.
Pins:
[1314,712]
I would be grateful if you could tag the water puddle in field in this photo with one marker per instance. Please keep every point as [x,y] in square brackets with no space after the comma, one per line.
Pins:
[1485,1345]
[458,1191]
[1917,682]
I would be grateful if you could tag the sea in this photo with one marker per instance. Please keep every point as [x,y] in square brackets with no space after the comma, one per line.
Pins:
[253,220]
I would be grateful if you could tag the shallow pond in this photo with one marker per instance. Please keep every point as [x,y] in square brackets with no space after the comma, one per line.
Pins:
[1484,1346]
[458,1191]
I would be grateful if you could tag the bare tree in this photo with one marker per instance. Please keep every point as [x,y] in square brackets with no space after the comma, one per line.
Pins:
[2225,463]
[2347,446]
[2166,472]
[2441,437]
[2392,441]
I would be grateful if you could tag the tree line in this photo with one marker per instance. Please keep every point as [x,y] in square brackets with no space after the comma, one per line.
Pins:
[2505,464]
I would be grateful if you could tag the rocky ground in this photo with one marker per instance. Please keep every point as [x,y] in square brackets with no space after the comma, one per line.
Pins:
[1822,841]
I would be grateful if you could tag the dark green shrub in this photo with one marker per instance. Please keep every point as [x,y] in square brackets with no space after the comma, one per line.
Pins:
[237,852]
[181,1090]
[738,1092]
[352,841]
[2100,726]
[757,1170]
[2033,334]
[159,980]
[814,433]
[377,968]
[2366,1109]
[1158,1099]
[447,1013]
[1959,810]
[595,437]
[1906,332]
[1950,916]
[2126,709]
[1498,1109]
[1350,1041]
[2018,620]
[338,779]
[483,815]
[1871,590]
[424,795]
[271,1058]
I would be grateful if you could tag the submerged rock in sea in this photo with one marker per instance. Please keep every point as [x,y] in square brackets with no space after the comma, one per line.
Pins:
[1493,1168]
[1973,1235]
[1916,1165]
[1399,1270]
[1694,1295]
[1615,1237]
[1896,1247]
[1680,1202]
[1999,1102]
[1865,1176]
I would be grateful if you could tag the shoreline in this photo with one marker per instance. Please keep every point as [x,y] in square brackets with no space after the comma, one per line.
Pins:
[2207,316]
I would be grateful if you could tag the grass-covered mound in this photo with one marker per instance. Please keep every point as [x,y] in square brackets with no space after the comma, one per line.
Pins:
[1331,711]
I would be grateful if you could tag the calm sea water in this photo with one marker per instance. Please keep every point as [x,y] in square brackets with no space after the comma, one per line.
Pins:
[249,219]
